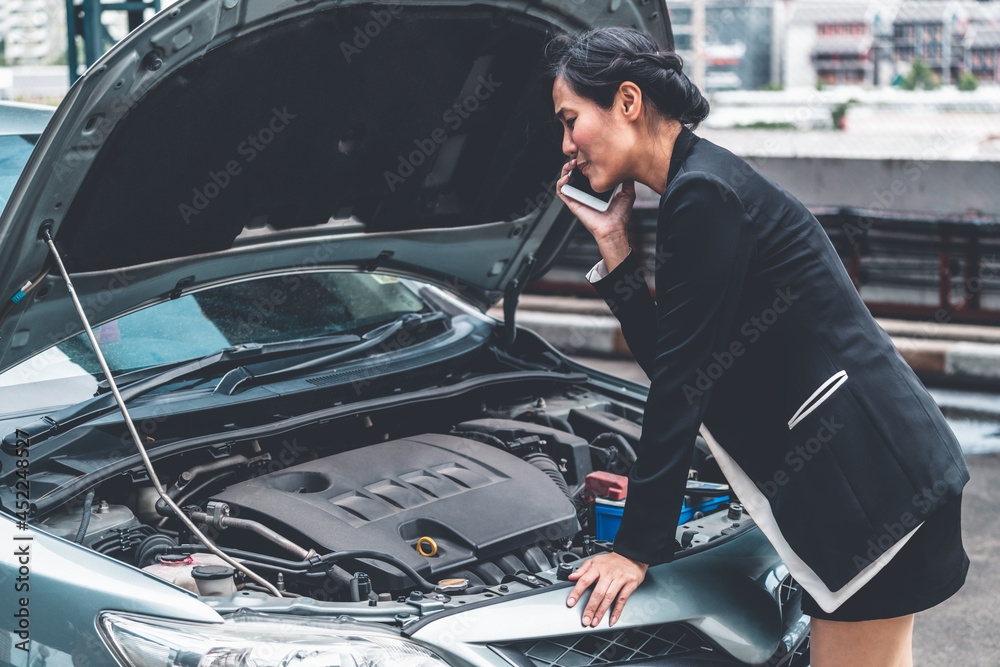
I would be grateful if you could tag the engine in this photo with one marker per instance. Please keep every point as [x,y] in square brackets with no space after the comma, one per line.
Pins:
[436,502]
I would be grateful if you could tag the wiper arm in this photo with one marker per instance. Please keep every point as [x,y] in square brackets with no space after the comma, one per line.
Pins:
[103,403]
[245,350]
[409,321]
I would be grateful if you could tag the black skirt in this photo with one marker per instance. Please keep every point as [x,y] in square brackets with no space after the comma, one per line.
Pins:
[928,570]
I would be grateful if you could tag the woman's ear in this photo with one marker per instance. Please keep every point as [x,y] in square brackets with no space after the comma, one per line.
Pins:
[628,100]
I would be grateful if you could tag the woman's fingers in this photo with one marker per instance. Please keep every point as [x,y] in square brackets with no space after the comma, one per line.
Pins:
[602,600]
[597,598]
[573,205]
[595,221]
[576,208]
[623,596]
[628,189]
[622,203]
[586,575]
[598,223]
[564,177]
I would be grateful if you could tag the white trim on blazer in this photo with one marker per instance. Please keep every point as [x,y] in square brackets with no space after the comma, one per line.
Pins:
[759,510]
[837,379]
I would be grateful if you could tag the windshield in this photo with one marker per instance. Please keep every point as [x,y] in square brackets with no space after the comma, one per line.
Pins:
[14,152]
[262,310]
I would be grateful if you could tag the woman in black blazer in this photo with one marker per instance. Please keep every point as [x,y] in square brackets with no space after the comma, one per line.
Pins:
[759,341]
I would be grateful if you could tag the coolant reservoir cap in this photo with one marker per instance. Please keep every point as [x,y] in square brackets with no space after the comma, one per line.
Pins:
[454,585]
[210,572]
[175,559]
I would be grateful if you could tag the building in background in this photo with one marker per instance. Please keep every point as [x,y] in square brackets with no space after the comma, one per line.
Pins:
[842,50]
[982,52]
[875,43]
[33,32]
[34,43]
[748,44]
[752,44]
[738,42]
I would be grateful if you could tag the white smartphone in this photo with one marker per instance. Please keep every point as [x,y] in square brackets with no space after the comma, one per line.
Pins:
[578,187]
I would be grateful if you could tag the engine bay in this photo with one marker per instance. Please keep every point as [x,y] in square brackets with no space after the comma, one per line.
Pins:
[452,496]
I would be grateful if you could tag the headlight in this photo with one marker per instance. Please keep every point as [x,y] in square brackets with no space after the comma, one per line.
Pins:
[255,639]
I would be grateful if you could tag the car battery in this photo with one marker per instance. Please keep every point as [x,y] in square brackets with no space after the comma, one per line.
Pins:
[704,497]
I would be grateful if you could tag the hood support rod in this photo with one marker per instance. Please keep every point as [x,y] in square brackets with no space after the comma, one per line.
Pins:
[47,235]
[510,297]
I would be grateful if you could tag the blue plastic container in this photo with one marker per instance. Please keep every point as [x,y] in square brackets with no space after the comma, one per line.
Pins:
[608,514]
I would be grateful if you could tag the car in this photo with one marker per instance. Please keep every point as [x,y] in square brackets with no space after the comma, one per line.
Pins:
[282,225]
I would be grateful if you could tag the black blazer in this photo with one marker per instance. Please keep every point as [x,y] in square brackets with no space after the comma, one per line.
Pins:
[759,340]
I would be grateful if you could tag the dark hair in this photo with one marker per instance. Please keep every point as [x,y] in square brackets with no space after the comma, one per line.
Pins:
[596,62]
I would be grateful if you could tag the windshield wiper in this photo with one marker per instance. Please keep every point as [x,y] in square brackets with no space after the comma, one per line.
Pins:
[271,369]
[141,384]
[236,352]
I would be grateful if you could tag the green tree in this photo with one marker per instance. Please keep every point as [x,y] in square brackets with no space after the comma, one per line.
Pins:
[967,81]
[920,76]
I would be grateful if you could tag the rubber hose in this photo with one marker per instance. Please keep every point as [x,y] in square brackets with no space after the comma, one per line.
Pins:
[151,547]
[545,463]
[163,509]
[189,493]
[85,519]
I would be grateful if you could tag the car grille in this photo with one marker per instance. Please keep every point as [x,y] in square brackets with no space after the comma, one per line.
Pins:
[789,596]
[608,648]
[800,656]
[787,590]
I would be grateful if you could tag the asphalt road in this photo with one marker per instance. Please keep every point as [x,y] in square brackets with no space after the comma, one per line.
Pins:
[964,629]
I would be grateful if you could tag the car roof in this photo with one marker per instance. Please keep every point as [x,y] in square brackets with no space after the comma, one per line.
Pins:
[19,118]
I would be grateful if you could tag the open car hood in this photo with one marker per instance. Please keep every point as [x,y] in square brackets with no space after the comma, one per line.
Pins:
[230,138]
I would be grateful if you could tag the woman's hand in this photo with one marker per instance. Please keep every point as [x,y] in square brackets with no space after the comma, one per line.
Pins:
[607,226]
[616,576]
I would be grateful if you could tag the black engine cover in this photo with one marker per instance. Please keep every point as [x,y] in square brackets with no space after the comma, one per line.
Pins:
[474,500]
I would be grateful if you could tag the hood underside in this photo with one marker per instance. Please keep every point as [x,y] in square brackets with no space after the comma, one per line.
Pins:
[411,138]
[435,124]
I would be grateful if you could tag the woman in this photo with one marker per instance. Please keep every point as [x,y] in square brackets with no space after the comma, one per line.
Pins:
[759,341]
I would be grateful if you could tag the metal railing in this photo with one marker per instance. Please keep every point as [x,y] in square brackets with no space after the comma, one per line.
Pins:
[903,265]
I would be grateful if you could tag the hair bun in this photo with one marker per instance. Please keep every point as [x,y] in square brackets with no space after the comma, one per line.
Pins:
[665,59]
[596,62]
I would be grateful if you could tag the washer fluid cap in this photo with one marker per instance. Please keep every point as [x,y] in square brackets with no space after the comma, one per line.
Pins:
[211,572]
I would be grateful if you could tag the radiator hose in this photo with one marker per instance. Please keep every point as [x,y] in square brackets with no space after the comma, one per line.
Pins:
[545,463]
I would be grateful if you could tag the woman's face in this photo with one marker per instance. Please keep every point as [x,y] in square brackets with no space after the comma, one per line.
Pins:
[597,138]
